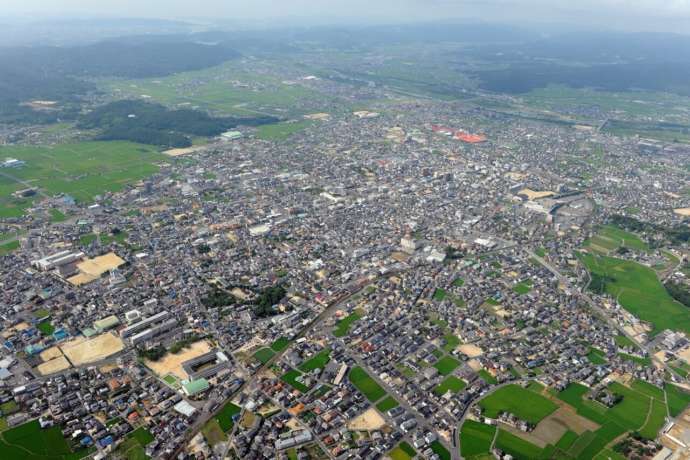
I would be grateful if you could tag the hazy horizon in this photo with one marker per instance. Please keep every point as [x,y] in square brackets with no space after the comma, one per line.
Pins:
[636,15]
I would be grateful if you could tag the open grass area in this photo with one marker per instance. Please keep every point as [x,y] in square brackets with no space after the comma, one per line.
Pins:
[280,344]
[439,294]
[523,287]
[45,327]
[57,216]
[452,384]
[446,365]
[9,247]
[623,341]
[29,441]
[365,384]
[225,416]
[264,355]
[525,404]
[609,238]
[281,131]
[404,451]
[596,356]
[639,291]
[677,399]
[82,171]
[475,438]
[290,377]
[387,404]
[458,282]
[488,378]
[451,342]
[439,450]
[213,433]
[343,326]
[317,361]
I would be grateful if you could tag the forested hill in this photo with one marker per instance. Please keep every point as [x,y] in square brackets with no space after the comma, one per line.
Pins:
[154,124]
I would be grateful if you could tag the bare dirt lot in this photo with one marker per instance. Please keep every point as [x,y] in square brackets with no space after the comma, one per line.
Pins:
[471,351]
[367,421]
[54,365]
[172,363]
[84,351]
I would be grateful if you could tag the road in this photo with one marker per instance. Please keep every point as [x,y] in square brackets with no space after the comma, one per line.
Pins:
[326,313]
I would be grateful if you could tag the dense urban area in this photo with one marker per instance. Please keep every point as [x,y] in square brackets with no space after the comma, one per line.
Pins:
[323,257]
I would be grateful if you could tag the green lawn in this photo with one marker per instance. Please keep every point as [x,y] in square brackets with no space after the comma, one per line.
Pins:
[525,404]
[343,326]
[387,404]
[143,436]
[82,170]
[290,377]
[365,384]
[225,415]
[318,361]
[475,438]
[264,355]
[639,291]
[452,384]
[446,365]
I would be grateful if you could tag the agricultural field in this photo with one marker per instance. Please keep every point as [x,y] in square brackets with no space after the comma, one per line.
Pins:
[446,365]
[224,90]
[365,384]
[475,438]
[404,451]
[225,415]
[596,356]
[523,287]
[290,377]
[280,344]
[642,409]
[387,404]
[83,171]
[525,404]
[677,399]
[639,291]
[610,238]
[264,355]
[30,441]
[521,449]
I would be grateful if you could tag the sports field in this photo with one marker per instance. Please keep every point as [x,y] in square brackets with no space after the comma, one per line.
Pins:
[365,384]
[639,291]
[82,351]
[82,171]
[525,404]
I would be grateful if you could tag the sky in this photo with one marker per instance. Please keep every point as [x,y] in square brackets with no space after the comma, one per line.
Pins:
[661,15]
